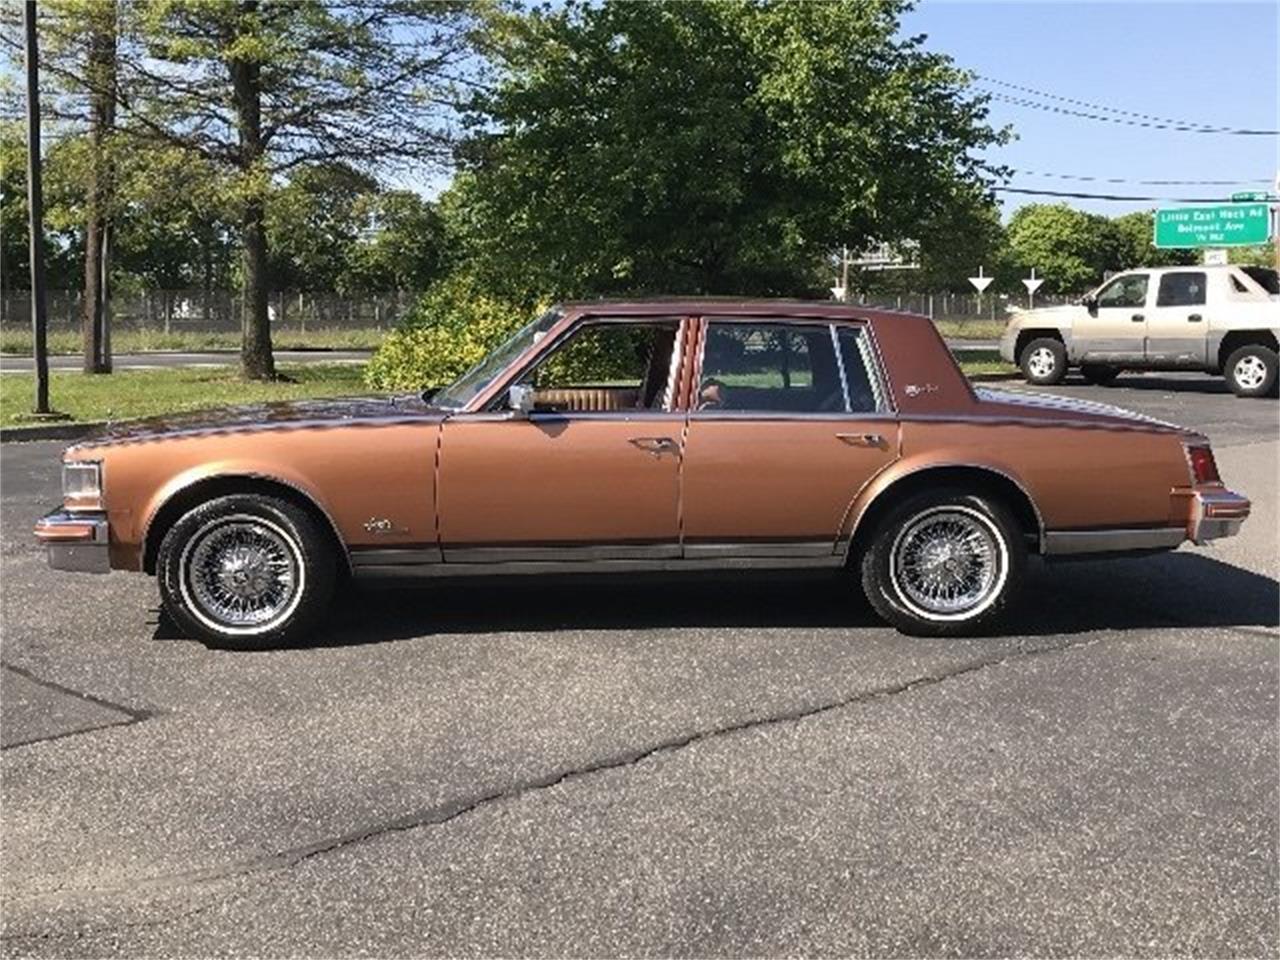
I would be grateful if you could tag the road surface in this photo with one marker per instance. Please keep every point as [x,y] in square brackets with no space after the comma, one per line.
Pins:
[715,767]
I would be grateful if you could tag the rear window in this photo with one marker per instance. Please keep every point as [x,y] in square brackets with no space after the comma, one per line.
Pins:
[1266,278]
[1181,290]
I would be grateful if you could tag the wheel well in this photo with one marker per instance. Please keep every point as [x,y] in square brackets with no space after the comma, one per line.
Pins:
[1026,336]
[976,480]
[203,490]
[1236,339]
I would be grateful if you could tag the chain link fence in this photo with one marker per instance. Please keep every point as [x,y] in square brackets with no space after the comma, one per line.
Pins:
[218,311]
[960,309]
[214,311]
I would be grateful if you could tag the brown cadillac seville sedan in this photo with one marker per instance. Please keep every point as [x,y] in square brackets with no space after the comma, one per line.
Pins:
[639,436]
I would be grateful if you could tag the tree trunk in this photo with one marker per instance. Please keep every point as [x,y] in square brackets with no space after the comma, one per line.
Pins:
[256,359]
[35,212]
[101,75]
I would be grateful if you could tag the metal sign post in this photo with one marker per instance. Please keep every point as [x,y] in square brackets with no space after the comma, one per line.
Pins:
[1032,283]
[980,283]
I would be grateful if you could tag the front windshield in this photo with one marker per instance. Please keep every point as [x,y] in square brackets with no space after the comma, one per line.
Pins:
[467,387]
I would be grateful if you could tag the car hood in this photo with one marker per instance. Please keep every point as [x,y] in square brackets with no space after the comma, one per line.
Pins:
[1026,404]
[277,415]
[1058,317]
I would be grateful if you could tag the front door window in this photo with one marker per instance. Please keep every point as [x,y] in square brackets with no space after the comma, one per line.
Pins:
[607,367]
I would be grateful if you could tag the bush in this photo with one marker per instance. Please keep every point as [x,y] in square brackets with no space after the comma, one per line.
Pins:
[448,331]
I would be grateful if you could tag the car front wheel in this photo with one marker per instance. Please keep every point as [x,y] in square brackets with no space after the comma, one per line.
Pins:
[246,571]
[1044,361]
[944,563]
[1251,371]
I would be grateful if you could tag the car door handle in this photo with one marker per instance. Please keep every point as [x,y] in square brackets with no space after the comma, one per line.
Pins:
[862,439]
[1194,318]
[655,445]
[1137,318]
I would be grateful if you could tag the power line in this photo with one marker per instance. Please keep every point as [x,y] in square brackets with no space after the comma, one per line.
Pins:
[1145,183]
[1104,108]
[1104,196]
[1176,125]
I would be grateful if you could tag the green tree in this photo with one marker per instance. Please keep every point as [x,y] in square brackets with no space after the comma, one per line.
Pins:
[716,147]
[64,249]
[258,89]
[313,223]
[1070,249]
[1134,233]
[402,248]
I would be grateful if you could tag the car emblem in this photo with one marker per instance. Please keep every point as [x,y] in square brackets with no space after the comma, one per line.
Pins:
[914,390]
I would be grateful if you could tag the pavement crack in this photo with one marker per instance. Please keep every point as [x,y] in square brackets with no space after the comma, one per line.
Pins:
[446,812]
[130,715]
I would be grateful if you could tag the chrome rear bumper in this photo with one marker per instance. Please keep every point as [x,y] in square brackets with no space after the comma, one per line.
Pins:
[1216,514]
[1213,514]
[75,541]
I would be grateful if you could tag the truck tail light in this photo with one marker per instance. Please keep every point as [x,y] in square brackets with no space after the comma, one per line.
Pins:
[1204,469]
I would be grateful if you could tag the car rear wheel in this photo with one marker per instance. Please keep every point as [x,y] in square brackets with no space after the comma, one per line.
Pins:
[246,572]
[1251,371]
[1099,375]
[1044,361]
[944,563]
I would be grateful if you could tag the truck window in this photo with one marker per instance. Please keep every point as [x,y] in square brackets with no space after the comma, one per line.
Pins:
[1181,290]
[1265,277]
[1130,291]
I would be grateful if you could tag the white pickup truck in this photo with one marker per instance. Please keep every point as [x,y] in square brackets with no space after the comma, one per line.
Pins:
[1223,319]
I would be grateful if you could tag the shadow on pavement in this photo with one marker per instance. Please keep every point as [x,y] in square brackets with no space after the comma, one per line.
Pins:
[1177,384]
[1181,589]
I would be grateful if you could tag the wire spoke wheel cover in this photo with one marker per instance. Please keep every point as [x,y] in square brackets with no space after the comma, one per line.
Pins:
[242,574]
[1250,372]
[948,563]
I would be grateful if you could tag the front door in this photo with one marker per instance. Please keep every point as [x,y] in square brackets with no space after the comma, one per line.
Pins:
[1115,328]
[592,472]
[1177,326]
[791,421]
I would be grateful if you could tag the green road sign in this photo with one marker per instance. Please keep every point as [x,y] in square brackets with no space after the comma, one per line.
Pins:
[1257,196]
[1228,225]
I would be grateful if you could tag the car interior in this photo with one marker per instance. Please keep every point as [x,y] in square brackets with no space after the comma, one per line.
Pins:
[607,367]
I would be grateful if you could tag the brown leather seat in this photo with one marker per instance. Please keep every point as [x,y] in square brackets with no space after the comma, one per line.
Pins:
[588,399]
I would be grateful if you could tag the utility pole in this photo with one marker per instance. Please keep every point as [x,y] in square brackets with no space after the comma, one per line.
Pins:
[35,213]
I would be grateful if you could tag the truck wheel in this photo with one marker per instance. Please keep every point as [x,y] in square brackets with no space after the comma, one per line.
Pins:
[246,572]
[1044,361]
[1251,371]
[944,563]
[1099,374]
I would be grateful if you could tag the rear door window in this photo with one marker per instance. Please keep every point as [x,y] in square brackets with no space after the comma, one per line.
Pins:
[1181,290]
[770,367]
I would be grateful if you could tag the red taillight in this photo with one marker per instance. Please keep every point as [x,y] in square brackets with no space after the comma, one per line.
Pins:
[1204,469]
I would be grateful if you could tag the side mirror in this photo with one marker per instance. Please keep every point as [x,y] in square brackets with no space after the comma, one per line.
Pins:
[520,399]
[1090,302]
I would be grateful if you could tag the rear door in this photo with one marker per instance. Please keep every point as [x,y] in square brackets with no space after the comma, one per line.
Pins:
[1177,326]
[790,419]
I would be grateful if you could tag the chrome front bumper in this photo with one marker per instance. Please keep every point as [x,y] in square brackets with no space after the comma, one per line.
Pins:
[1216,514]
[75,541]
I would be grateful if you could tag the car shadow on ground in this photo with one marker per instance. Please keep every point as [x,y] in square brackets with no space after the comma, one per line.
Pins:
[1156,383]
[1176,590]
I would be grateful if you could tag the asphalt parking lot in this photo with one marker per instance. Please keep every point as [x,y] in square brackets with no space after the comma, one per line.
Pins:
[746,766]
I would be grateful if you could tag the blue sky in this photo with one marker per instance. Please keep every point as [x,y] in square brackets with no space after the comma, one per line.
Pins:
[1211,63]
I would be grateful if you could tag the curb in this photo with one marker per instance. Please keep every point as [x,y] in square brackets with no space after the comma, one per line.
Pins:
[54,431]
[994,377]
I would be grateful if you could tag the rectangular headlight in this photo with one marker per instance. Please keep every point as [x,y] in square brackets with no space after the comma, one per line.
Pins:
[82,483]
